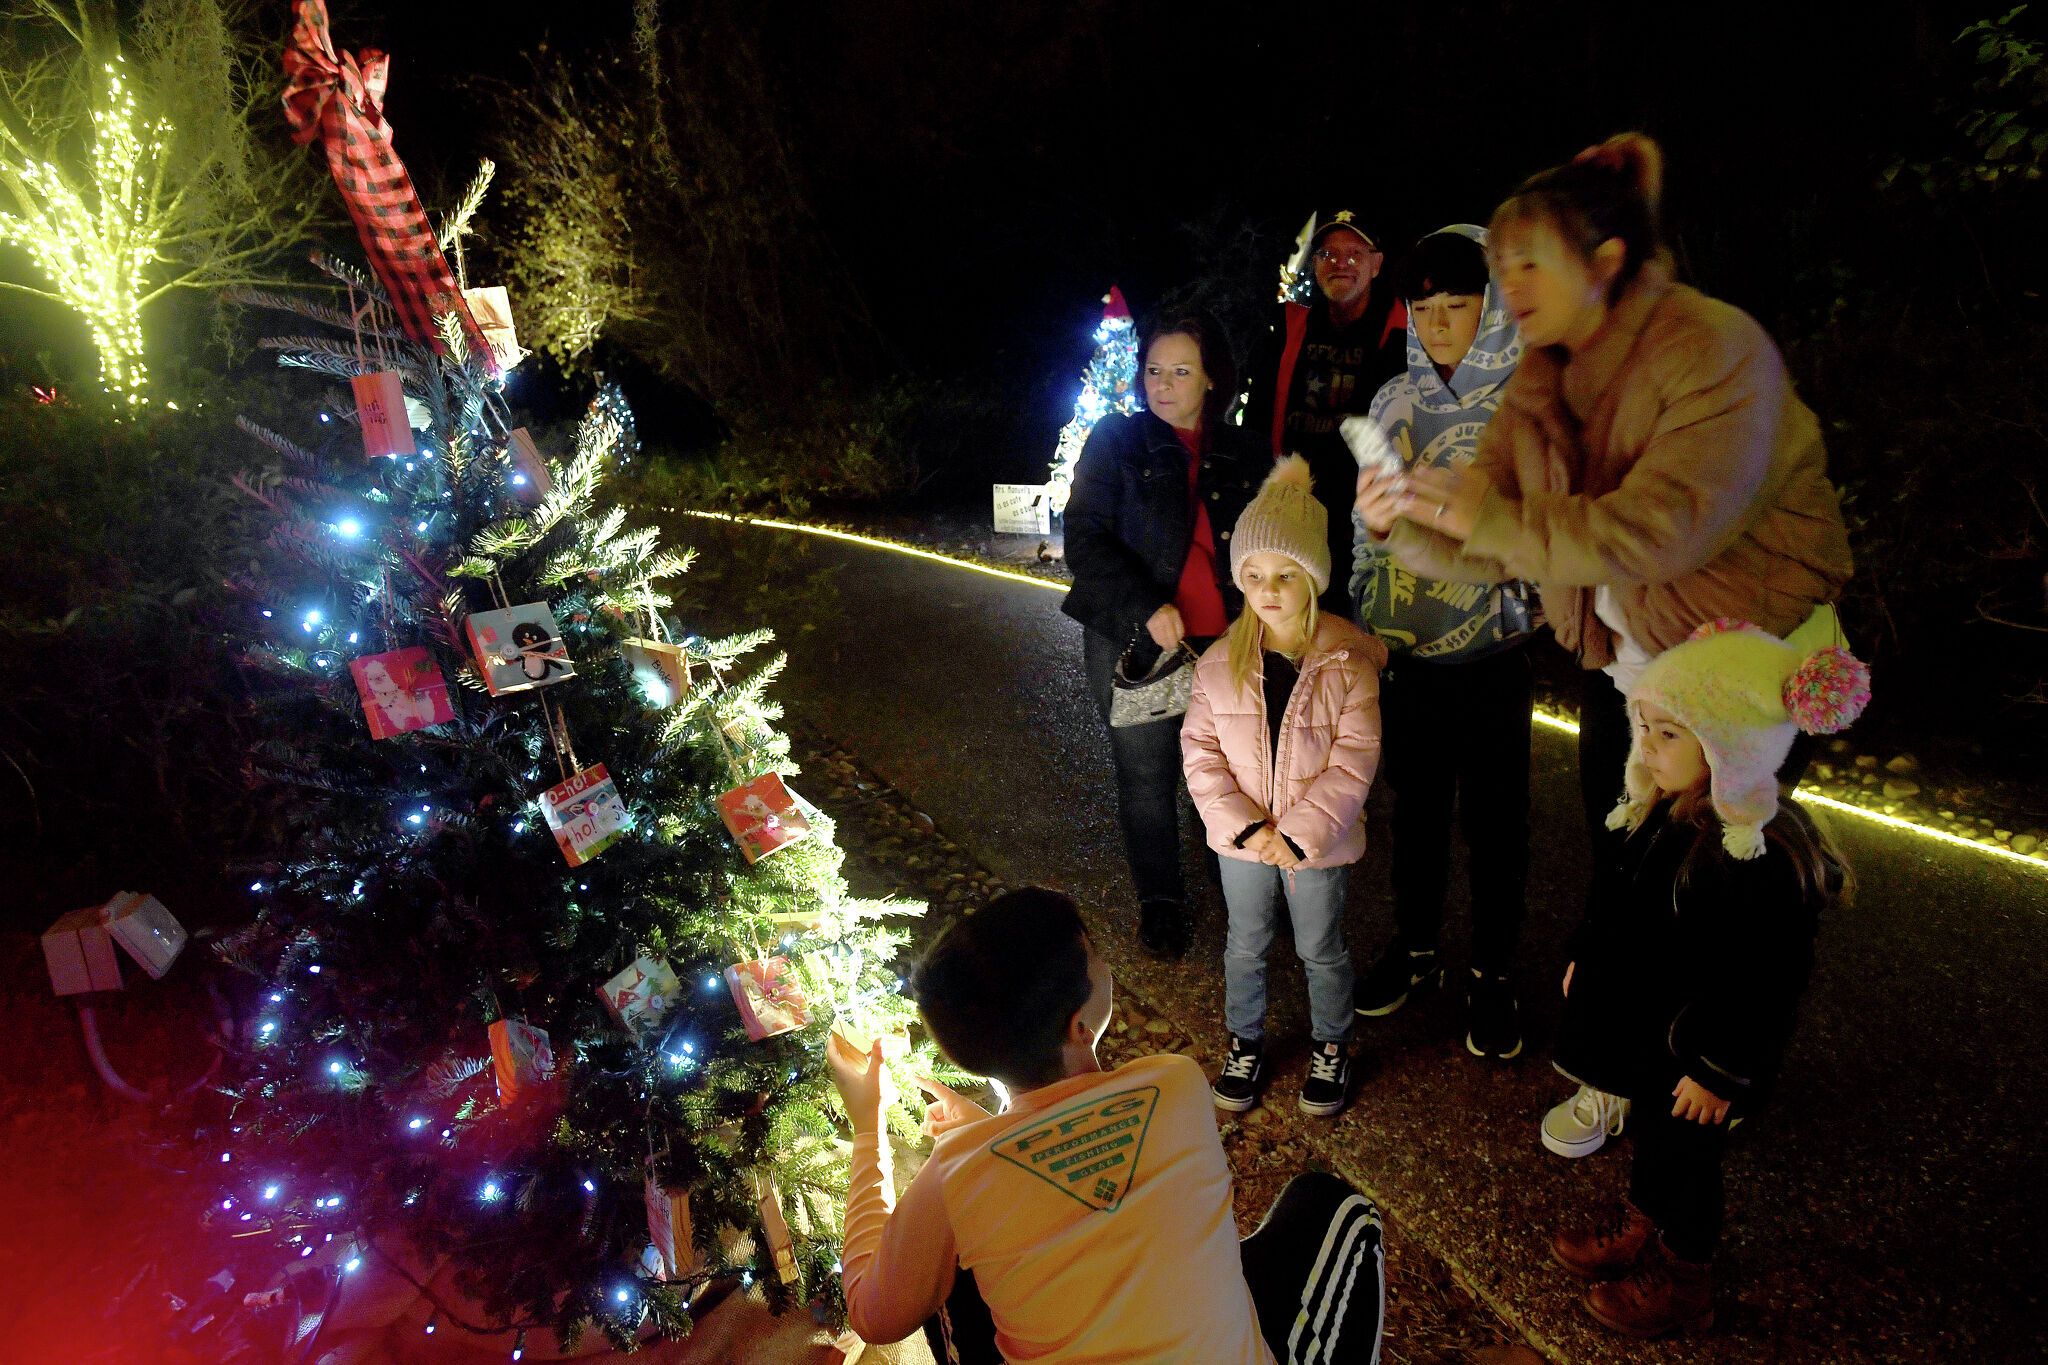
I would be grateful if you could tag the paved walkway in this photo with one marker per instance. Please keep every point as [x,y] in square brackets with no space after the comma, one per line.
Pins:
[1891,1207]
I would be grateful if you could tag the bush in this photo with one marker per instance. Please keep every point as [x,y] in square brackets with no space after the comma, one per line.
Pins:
[121,729]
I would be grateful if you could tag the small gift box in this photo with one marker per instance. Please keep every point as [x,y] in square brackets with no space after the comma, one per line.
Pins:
[518,648]
[80,953]
[660,669]
[380,410]
[763,816]
[770,999]
[586,814]
[401,690]
[641,996]
[521,1056]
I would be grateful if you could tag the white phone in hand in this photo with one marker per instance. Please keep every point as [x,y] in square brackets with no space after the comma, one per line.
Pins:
[1369,446]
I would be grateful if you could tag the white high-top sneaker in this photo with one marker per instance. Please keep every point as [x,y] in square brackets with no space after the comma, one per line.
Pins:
[1582,1124]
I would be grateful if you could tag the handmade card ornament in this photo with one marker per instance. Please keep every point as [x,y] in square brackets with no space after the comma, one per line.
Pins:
[781,1246]
[770,999]
[894,1045]
[401,690]
[528,471]
[660,669]
[522,1057]
[150,933]
[762,816]
[80,953]
[491,306]
[669,1228]
[586,814]
[641,996]
[519,647]
[380,410]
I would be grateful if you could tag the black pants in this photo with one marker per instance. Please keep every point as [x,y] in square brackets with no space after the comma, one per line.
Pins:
[1316,1270]
[1603,750]
[1675,1176]
[1458,734]
[1148,782]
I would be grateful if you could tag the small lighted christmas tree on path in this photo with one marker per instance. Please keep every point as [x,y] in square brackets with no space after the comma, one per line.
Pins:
[543,979]
[1109,384]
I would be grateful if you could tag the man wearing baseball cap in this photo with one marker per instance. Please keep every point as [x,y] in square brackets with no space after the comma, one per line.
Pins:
[1323,362]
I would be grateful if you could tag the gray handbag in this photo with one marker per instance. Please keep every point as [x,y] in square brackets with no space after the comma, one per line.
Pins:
[1161,694]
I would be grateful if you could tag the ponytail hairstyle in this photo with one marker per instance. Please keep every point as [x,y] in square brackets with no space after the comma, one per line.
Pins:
[1217,361]
[1609,191]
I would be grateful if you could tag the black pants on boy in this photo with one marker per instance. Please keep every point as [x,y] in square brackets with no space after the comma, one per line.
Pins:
[1675,1176]
[1148,780]
[1316,1269]
[1604,728]
[1457,734]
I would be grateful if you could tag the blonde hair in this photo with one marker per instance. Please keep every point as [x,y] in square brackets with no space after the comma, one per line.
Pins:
[1247,639]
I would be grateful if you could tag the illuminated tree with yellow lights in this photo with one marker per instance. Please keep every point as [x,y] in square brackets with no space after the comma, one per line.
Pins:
[122,181]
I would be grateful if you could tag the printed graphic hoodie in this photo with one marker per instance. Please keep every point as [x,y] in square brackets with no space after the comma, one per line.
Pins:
[1437,425]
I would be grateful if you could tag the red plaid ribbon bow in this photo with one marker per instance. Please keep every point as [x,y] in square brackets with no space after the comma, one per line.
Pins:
[340,101]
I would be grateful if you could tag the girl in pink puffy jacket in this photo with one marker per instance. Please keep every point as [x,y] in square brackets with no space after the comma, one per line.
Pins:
[1280,743]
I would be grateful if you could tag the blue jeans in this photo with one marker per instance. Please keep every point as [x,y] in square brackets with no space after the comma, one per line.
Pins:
[1315,902]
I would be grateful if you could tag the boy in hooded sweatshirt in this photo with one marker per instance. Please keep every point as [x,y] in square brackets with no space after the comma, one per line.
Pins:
[1456,693]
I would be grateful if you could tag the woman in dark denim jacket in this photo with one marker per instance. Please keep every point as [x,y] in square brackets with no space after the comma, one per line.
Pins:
[1148,526]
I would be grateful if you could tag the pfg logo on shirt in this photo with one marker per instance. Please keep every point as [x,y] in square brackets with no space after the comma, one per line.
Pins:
[1089,1152]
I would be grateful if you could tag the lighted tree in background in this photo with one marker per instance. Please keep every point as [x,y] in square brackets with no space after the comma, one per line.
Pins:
[420,898]
[123,180]
[1109,384]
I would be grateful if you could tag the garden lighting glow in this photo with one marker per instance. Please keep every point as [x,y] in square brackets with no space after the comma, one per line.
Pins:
[1542,717]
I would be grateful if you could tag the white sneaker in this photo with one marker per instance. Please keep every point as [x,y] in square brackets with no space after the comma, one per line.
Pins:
[1582,1124]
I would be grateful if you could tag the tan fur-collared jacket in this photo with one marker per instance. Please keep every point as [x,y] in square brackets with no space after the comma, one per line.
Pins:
[1670,461]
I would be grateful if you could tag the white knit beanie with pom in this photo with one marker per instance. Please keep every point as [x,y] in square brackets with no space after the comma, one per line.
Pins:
[1744,694]
[1285,519]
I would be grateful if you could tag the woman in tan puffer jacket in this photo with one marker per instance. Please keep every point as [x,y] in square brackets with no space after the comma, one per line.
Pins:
[1650,467]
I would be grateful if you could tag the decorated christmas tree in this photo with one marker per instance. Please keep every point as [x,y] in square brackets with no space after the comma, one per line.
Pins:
[1109,384]
[543,971]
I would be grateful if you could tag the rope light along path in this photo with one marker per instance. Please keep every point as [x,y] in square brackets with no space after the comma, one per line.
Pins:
[1542,717]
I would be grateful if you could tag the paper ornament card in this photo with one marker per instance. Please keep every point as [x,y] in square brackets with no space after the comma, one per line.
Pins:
[80,953]
[380,409]
[527,472]
[519,647]
[781,1247]
[762,816]
[150,933]
[669,1229]
[491,308]
[641,996]
[660,669]
[586,814]
[401,691]
[521,1056]
[770,998]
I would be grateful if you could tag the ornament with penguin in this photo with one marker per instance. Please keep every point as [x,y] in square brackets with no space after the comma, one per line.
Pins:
[491,1019]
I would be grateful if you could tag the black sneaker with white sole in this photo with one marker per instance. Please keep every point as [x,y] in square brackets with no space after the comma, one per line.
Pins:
[1496,1022]
[1329,1076]
[1393,978]
[1237,1089]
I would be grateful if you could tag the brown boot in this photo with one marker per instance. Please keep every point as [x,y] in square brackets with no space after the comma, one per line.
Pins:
[1605,1251]
[1663,1294]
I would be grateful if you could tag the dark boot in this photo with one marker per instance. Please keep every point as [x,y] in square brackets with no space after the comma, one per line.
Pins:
[1163,929]
[1606,1251]
[1663,1294]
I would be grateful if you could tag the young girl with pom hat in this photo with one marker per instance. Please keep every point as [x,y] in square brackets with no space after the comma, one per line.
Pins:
[1280,744]
[1698,942]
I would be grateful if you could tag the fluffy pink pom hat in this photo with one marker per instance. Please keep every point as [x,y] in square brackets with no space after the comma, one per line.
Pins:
[1744,694]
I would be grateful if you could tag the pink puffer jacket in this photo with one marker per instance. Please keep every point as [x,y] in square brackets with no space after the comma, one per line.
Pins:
[1314,787]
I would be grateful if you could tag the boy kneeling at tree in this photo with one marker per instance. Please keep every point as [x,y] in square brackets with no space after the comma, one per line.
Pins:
[1091,1219]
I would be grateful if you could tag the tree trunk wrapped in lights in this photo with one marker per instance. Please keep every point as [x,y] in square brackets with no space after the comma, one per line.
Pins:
[419,897]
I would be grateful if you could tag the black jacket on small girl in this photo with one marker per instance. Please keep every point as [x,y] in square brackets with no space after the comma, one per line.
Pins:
[1690,962]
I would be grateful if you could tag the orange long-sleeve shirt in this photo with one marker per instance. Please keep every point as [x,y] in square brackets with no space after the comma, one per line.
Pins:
[1095,1215]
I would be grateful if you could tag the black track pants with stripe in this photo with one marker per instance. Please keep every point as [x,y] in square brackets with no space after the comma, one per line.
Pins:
[1316,1268]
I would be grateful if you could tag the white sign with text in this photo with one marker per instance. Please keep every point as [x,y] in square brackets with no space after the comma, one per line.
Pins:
[1024,509]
